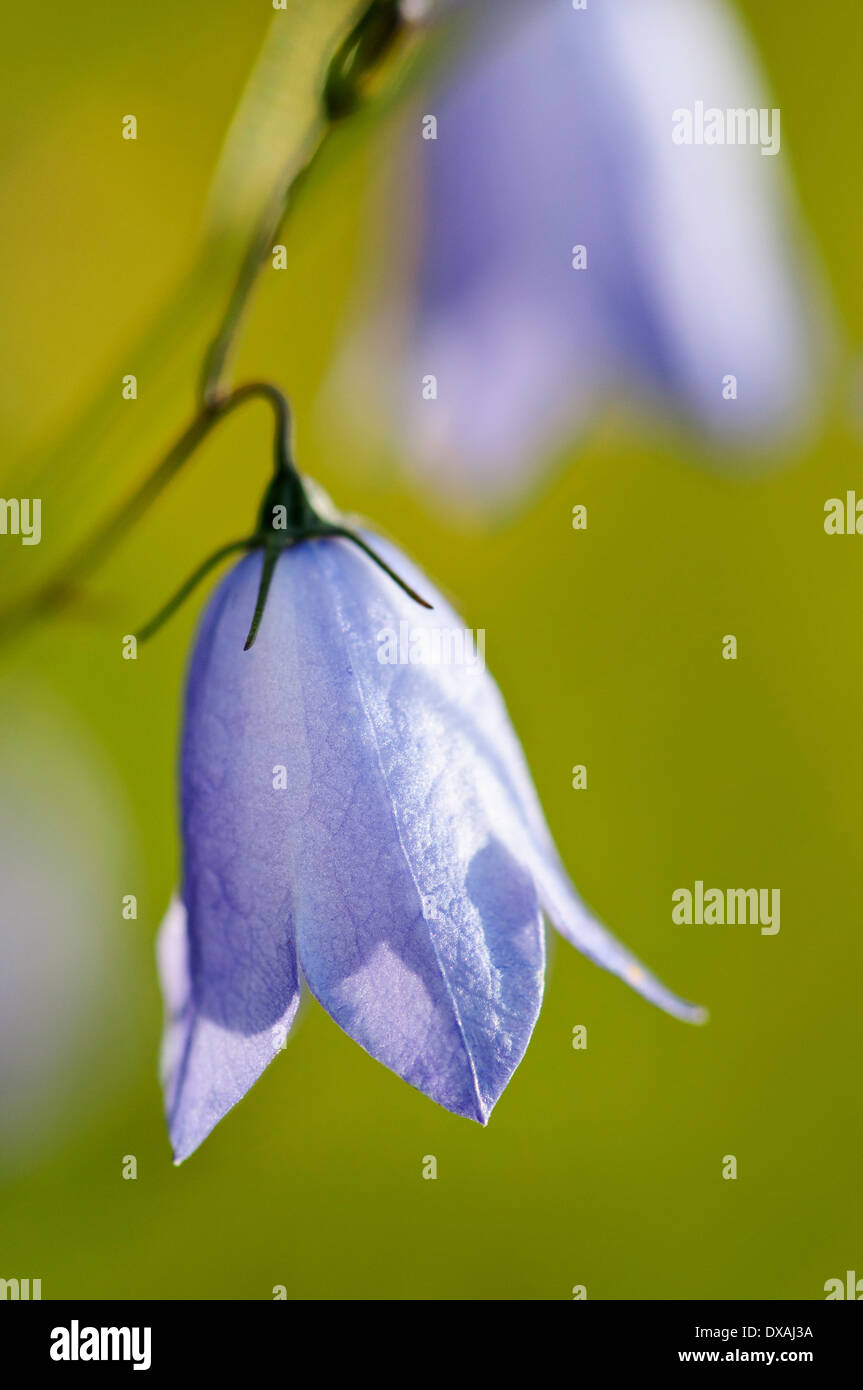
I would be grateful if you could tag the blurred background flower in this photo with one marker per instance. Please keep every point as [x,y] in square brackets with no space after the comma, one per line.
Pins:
[566,257]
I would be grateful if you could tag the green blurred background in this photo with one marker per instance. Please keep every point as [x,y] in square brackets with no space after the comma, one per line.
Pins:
[599,1167]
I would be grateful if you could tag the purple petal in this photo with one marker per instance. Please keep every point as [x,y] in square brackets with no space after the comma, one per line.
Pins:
[230,971]
[478,709]
[418,923]
[417,926]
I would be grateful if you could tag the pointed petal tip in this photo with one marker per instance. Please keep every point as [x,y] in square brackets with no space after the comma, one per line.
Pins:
[680,1009]
[480,1109]
[652,989]
[180,1152]
[474,1107]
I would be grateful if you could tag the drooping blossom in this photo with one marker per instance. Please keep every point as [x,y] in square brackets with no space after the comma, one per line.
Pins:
[358,815]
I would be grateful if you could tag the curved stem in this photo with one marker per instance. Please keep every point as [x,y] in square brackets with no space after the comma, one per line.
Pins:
[365,46]
[99,544]
[282,453]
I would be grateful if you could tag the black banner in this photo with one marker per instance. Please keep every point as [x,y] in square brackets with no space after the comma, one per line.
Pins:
[67,1338]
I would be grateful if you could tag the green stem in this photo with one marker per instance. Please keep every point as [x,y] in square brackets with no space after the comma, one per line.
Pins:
[220,353]
[100,543]
[358,54]
[106,536]
[282,452]
[366,44]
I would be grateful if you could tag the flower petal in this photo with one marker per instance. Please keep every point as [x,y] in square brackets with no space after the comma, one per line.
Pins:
[376,820]
[229,970]
[478,710]
[418,923]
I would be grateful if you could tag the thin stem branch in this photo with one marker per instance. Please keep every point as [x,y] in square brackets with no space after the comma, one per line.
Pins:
[282,453]
[367,43]
[360,51]
[102,541]
[220,353]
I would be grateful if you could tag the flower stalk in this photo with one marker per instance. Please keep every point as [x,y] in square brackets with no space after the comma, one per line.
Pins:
[285,518]
[366,46]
